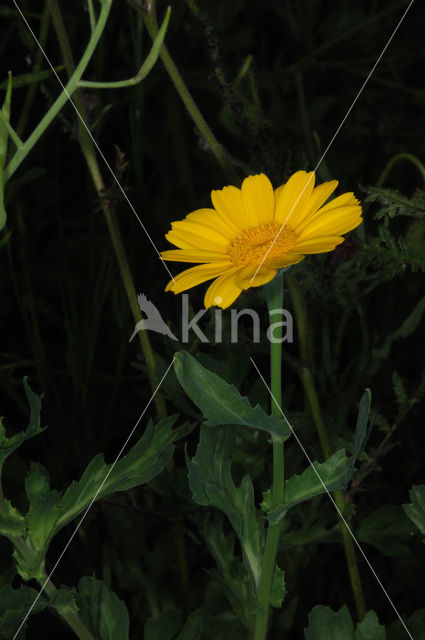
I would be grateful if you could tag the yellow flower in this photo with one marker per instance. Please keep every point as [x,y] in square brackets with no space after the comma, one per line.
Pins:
[254,231]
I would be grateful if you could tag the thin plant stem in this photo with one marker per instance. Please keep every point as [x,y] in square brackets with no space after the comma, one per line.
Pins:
[145,67]
[63,97]
[309,385]
[274,296]
[89,153]
[181,88]
[394,160]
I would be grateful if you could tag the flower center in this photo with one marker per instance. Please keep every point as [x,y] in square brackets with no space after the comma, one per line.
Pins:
[251,246]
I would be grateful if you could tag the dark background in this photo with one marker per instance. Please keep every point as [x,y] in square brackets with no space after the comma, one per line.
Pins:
[65,316]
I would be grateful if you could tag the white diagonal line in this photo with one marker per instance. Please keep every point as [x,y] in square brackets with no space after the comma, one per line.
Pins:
[332,500]
[92,138]
[93,500]
[334,135]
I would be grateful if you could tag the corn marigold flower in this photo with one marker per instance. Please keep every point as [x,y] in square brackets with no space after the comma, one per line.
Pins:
[254,231]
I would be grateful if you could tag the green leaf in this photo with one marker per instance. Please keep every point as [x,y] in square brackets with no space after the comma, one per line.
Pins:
[14,605]
[220,402]
[43,507]
[12,523]
[335,473]
[163,627]
[144,461]
[203,625]
[64,600]
[385,528]
[231,573]
[8,445]
[211,483]
[4,135]
[415,624]
[103,612]
[325,624]
[278,591]
[370,629]
[24,79]
[416,509]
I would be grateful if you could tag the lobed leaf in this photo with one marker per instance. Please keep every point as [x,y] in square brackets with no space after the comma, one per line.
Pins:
[211,483]
[334,474]
[103,612]
[9,445]
[220,402]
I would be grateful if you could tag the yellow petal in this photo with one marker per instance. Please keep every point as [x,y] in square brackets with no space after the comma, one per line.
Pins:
[334,222]
[186,240]
[320,194]
[341,201]
[257,199]
[210,218]
[208,236]
[279,262]
[293,197]
[319,244]
[253,276]
[196,275]
[228,204]
[188,255]
[223,291]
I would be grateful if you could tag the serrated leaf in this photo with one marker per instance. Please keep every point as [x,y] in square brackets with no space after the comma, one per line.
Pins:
[220,402]
[278,591]
[334,474]
[12,523]
[64,600]
[370,629]
[326,624]
[163,627]
[142,463]
[14,605]
[9,445]
[43,507]
[211,483]
[416,509]
[103,612]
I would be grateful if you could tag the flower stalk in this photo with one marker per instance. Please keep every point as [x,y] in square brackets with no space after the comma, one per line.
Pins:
[274,296]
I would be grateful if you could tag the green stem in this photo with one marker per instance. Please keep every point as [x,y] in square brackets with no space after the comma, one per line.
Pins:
[274,295]
[188,101]
[313,399]
[145,67]
[89,152]
[391,164]
[11,131]
[29,143]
